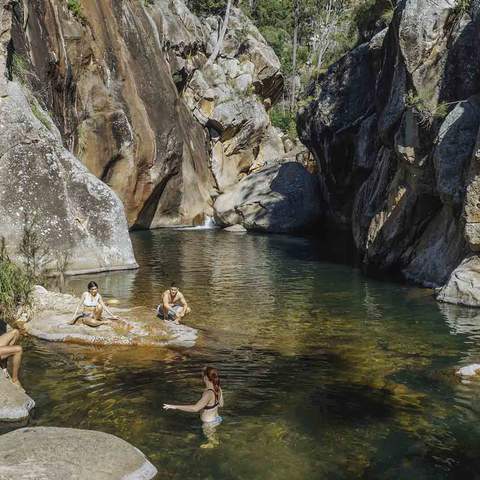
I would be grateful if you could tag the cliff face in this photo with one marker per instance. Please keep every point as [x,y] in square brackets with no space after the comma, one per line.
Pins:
[102,75]
[394,128]
[78,220]
[130,89]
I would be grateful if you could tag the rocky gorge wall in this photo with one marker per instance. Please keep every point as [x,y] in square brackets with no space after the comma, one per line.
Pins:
[394,127]
[127,89]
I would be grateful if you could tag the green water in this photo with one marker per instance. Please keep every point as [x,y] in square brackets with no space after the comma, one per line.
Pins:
[326,374]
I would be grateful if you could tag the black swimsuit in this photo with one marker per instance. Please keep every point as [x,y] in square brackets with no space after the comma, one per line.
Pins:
[216,404]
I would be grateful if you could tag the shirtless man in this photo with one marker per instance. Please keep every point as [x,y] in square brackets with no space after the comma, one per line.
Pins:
[174,306]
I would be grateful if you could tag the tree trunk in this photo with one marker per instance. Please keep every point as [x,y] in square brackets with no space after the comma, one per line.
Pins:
[221,36]
[294,55]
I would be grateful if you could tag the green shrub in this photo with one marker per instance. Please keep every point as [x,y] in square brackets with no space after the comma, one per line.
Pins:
[285,120]
[16,287]
[424,105]
[19,67]
[76,8]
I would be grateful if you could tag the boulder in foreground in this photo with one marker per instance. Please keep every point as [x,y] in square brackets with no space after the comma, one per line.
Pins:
[66,453]
[280,198]
[15,404]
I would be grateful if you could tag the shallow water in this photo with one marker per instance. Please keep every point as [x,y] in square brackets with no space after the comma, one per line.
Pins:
[326,374]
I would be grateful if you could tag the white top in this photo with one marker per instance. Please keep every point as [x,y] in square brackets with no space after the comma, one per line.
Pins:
[90,301]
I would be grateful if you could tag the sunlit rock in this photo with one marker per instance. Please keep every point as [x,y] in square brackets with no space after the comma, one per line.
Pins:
[61,453]
[54,311]
[15,404]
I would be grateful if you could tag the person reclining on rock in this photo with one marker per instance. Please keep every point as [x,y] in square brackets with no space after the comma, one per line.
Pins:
[174,306]
[9,349]
[92,305]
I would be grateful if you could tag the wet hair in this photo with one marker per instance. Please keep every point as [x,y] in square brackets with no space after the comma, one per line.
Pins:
[173,284]
[91,285]
[212,374]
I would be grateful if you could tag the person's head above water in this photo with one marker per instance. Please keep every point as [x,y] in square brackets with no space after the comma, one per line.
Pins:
[173,289]
[211,375]
[92,288]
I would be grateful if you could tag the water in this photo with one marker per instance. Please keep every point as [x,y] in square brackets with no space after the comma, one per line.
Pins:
[326,374]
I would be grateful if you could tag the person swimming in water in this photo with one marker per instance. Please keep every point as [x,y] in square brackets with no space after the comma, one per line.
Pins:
[92,305]
[210,401]
[9,349]
[174,306]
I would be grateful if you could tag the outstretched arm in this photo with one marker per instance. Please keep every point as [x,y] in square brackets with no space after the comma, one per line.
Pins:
[82,298]
[102,303]
[200,405]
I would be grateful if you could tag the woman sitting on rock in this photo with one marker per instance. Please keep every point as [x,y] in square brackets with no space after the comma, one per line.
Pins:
[92,306]
[9,349]
[208,404]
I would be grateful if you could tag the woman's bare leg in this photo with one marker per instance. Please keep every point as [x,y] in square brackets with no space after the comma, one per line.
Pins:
[93,322]
[9,338]
[98,312]
[14,351]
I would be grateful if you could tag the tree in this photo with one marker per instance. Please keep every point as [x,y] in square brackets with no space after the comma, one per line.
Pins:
[221,36]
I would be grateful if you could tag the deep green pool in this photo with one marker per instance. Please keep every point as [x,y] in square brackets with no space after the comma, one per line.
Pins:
[326,374]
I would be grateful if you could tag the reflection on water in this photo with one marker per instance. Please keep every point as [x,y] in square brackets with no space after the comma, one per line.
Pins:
[326,374]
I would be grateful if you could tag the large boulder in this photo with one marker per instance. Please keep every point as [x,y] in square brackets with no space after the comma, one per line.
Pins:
[463,286]
[279,198]
[15,404]
[76,217]
[60,453]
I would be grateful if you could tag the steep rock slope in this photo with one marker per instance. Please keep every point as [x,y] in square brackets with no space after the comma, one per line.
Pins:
[104,77]
[394,128]
[79,219]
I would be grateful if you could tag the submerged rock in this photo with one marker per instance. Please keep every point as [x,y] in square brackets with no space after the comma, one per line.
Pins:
[469,370]
[66,453]
[279,198]
[15,404]
[54,311]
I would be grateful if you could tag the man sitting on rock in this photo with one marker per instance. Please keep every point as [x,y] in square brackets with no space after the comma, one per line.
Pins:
[174,306]
[9,349]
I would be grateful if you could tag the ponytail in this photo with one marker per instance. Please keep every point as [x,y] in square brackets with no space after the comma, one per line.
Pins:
[212,374]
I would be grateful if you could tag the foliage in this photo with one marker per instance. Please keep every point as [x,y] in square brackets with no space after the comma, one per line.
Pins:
[462,6]
[147,3]
[34,254]
[16,287]
[76,8]
[206,7]
[19,67]
[284,119]
[425,106]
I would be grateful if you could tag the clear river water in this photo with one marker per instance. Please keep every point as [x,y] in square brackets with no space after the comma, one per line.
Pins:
[327,374]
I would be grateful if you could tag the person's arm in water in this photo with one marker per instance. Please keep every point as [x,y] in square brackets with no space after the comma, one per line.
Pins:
[102,303]
[200,405]
[80,303]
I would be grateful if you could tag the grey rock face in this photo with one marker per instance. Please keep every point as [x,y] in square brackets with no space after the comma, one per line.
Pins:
[75,212]
[15,404]
[394,130]
[279,198]
[60,453]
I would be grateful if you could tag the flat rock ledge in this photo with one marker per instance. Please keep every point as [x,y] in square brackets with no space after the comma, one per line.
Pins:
[15,404]
[51,453]
[53,311]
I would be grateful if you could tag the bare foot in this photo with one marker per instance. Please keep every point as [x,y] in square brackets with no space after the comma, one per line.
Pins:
[18,384]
